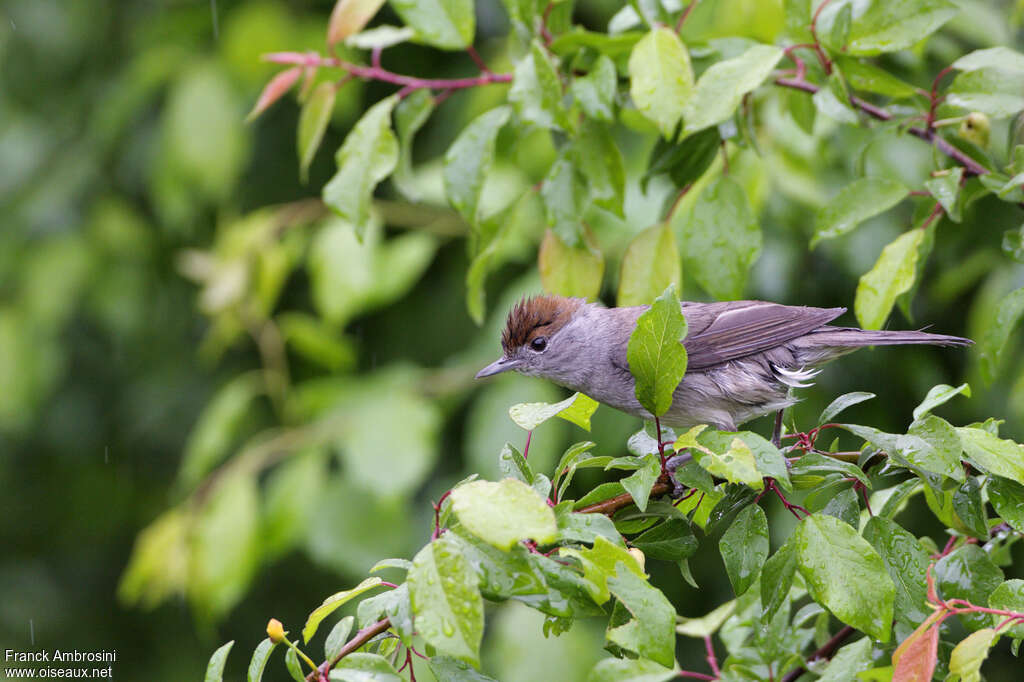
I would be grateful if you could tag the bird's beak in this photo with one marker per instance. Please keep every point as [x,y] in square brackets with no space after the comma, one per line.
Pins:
[497,367]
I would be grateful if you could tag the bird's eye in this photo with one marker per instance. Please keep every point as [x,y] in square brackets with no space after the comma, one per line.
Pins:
[539,344]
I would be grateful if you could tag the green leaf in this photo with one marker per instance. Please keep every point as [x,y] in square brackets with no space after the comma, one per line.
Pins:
[744,548]
[946,190]
[410,115]
[892,275]
[670,540]
[536,91]
[720,238]
[364,667]
[599,564]
[721,88]
[992,454]
[736,464]
[968,573]
[917,447]
[1008,597]
[970,653]
[219,425]
[504,513]
[777,578]
[225,545]
[841,403]
[570,270]
[599,160]
[833,101]
[215,668]
[350,16]
[895,25]
[684,162]
[992,57]
[768,460]
[313,120]
[650,264]
[382,36]
[656,356]
[368,155]
[338,635]
[939,395]
[331,604]
[993,91]
[291,662]
[708,624]
[855,203]
[446,602]
[258,663]
[661,78]
[577,409]
[906,562]
[584,528]
[639,483]
[993,341]
[630,670]
[512,464]
[651,632]
[595,92]
[468,160]
[845,575]
[944,455]
[447,24]
[865,76]
[1008,499]
[848,661]
[565,197]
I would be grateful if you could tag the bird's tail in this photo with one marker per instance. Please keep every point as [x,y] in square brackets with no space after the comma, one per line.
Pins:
[851,337]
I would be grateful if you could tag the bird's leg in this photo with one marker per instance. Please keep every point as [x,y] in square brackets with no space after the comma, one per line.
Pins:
[777,431]
[671,465]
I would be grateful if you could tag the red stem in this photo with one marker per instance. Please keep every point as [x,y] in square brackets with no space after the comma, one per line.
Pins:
[709,647]
[685,14]
[971,167]
[826,63]
[381,74]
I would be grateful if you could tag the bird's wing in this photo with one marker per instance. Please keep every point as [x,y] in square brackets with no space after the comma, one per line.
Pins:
[721,332]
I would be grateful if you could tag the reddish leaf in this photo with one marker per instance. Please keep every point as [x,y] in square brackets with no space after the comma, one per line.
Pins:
[349,16]
[278,85]
[915,658]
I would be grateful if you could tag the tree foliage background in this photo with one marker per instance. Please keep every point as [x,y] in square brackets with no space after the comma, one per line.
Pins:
[220,403]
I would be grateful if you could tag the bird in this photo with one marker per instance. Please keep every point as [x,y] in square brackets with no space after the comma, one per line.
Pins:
[744,357]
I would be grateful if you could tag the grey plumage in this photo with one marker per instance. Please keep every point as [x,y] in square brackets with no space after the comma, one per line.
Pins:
[743,356]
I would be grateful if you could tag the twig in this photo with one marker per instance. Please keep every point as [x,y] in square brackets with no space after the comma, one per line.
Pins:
[827,650]
[379,73]
[709,648]
[361,638]
[613,504]
[971,166]
[685,14]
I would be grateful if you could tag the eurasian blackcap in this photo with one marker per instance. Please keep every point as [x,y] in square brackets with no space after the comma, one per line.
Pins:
[743,356]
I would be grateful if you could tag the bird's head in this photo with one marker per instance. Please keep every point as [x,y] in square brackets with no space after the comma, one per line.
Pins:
[540,338]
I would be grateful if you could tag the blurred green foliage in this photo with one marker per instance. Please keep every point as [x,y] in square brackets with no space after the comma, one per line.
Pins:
[198,361]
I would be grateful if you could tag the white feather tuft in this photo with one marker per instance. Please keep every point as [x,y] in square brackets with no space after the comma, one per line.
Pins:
[796,378]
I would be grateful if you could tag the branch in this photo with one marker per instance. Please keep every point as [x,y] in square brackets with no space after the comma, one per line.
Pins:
[361,638]
[614,504]
[971,166]
[827,650]
[378,73]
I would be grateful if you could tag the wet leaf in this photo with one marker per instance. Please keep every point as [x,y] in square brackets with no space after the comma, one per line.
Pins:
[858,201]
[446,601]
[656,356]
[504,513]
[661,78]
[845,575]
[744,548]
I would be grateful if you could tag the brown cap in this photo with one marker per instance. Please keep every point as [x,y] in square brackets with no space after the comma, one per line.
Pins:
[537,316]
